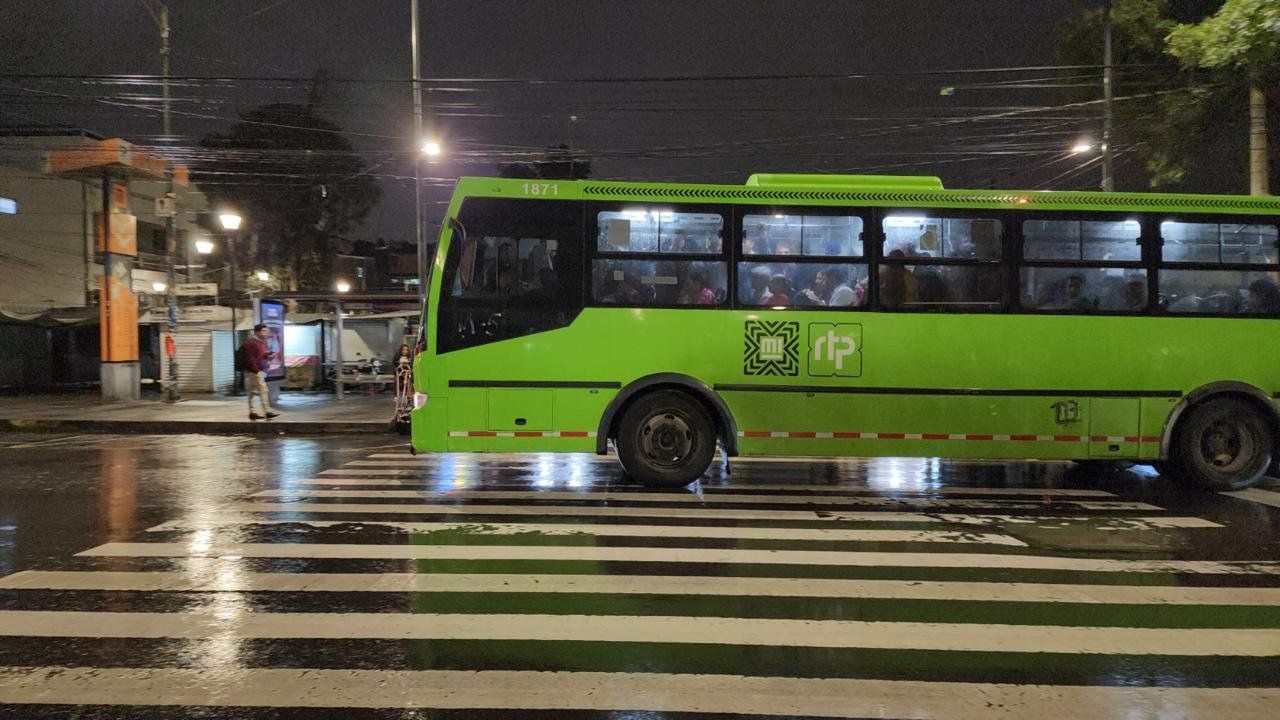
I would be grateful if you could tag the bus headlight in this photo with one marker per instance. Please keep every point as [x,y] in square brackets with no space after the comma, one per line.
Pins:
[419,400]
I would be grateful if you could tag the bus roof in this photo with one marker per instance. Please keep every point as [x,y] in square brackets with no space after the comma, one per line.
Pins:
[866,190]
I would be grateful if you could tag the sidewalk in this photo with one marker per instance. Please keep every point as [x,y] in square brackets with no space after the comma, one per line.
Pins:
[300,413]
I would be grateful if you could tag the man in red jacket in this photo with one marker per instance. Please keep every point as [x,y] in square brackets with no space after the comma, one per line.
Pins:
[255,355]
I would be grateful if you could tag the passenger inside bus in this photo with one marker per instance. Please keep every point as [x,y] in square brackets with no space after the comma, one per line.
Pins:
[658,282]
[756,290]
[696,290]
[1264,297]
[779,291]
[898,286]
[830,288]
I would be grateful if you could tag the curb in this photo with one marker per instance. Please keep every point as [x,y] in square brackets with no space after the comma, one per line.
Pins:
[192,427]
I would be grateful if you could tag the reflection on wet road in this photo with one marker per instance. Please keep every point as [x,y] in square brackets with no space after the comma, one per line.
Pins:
[221,577]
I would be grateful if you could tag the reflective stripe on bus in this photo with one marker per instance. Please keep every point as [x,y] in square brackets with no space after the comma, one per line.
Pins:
[522,433]
[811,435]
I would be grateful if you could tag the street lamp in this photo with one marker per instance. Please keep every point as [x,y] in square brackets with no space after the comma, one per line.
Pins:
[343,286]
[431,148]
[159,286]
[1081,147]
[230,221]
[204,247]
[263,276]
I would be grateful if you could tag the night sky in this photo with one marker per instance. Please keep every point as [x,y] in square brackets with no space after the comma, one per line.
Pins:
[482,57]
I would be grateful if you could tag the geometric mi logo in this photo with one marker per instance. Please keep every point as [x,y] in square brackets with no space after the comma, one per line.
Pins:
[771,347]
[835,349]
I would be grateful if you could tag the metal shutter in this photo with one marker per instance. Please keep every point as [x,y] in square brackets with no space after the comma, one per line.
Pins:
[224,363]
[195,361]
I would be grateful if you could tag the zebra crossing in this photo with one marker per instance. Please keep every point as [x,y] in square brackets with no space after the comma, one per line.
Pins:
[541,586]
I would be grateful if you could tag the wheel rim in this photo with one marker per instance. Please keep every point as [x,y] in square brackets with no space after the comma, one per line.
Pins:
[666,439]
[1227,445]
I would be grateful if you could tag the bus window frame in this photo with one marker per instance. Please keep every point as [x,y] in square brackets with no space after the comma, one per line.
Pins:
[1159,264]
[591,242]
[1005,262]
[1190,218]
[1145,240]
[448,274]
[739,219]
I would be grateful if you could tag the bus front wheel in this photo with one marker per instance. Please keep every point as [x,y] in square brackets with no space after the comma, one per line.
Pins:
[666,439]
[1221,444]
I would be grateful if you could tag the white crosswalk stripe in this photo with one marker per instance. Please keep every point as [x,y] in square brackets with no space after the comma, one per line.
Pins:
[638,585]
[676,555]
[688,498]
[1258,495]
[969,637]
[817,490]
[704,513]
[702,693]
[838,591]
[650,531]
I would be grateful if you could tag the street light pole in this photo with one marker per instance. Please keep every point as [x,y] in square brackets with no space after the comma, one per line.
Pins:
[417,156]
[231,223]
[236,381]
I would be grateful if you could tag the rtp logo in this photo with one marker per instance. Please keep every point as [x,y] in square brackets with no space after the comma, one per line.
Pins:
[835,349]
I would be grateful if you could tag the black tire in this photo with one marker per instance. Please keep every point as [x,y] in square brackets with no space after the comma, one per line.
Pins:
[666,439]
[1221,444]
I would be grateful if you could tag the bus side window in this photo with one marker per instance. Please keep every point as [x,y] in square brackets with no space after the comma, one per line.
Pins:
[518,272]
[940,263]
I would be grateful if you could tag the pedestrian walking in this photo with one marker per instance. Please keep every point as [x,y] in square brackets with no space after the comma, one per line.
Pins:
[254,355]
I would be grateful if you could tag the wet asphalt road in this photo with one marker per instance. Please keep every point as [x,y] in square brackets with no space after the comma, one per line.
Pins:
[225,577]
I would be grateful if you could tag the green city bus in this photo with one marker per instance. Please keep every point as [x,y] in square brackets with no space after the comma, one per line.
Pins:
[829,315]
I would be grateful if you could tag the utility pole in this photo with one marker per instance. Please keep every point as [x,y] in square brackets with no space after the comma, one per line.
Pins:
[1259,170]
[1108,94]
[417,159]
[160,13]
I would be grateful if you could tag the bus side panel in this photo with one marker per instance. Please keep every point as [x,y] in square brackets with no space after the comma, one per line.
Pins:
[907,425]
[1154,415]
[555,420]
[1113,428]
[429,426]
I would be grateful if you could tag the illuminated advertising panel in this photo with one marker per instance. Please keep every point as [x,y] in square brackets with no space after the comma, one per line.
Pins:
[271,314]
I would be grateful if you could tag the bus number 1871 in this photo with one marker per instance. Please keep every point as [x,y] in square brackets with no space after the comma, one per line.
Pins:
[540,188]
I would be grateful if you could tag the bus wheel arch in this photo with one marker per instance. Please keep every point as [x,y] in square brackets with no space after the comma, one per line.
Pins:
[726,427]
[1247,415]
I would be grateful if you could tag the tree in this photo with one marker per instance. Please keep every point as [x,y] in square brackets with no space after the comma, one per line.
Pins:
[557,163]
[1241,40]
[1170,125]
[298,182]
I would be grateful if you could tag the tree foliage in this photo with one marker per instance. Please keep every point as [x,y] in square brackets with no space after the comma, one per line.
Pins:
[1186,129]
[1244,36]
[298,182]
[1161,121]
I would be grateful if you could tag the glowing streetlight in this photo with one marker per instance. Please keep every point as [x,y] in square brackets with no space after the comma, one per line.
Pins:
[231,223]
[204,247]
[431,148]
[263,276]
[342,286]
[1081,147]
[159,286]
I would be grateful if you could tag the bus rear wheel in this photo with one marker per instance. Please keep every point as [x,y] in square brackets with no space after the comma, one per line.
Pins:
[1221,444]
[666,439]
